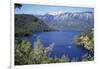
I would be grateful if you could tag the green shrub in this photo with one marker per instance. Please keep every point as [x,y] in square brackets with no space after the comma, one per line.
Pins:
[86,40]
[24,54]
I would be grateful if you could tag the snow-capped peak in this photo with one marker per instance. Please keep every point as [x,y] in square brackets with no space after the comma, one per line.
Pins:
[56,12]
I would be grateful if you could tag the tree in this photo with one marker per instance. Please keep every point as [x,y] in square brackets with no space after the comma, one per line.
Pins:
[86,40]
[87,57]
[18,5]
[24,54]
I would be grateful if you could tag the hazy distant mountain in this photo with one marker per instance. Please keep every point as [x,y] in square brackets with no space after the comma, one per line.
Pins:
[79,21]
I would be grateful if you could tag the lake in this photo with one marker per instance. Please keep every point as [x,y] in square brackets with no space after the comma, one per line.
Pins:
[64,43]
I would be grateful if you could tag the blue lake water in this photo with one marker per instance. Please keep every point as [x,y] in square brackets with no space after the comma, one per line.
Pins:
[63,41]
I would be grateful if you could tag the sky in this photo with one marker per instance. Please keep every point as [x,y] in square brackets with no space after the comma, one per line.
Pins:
[44,9]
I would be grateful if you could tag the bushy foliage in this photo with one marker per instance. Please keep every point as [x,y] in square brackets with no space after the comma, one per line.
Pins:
[86,40]
[87,57]
[24,54]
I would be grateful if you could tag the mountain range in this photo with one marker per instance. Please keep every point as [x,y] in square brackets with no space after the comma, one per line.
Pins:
[26,24]
[64,21]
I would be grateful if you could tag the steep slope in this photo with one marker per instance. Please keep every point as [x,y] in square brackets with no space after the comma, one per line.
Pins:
[79,21]
[26,24]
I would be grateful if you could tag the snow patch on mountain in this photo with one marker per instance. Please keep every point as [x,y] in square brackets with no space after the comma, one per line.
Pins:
[56,13]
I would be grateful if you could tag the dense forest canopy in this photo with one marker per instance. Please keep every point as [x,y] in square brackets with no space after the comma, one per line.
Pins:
[26,24]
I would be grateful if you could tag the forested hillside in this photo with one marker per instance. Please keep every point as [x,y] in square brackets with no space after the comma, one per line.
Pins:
[86,40]
[26,24]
